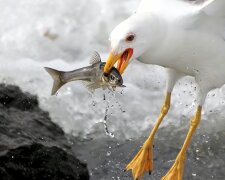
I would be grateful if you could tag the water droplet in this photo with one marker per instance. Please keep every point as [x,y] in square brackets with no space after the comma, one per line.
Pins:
[94,103]
[110,134]
[108,153]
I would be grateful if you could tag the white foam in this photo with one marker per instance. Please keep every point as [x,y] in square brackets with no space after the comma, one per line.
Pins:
[62,34]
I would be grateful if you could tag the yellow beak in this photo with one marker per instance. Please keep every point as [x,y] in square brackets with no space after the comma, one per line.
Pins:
[122,58]
[112,59]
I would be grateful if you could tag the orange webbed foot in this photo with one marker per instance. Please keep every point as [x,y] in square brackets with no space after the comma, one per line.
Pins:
[176,171]
[142,162]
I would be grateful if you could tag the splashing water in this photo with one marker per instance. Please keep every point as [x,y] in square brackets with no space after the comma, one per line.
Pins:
[107,132]
[64,38]
[56,42]
[108,98]
[110,106]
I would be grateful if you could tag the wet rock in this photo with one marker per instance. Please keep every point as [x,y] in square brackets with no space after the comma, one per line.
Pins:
[12,96]
[31,145]
[34,162]
[22,122]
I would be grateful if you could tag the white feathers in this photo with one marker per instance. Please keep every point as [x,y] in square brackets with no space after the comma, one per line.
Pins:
[208,16]
[216,8]
[167,8]
[176,8]
[184,36]
[206,3]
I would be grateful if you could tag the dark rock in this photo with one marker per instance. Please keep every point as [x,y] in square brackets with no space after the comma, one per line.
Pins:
[23,123]
[35,162]
[12,96]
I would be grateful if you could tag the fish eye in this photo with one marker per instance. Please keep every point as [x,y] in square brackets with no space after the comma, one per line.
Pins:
[112,77]
[130,37]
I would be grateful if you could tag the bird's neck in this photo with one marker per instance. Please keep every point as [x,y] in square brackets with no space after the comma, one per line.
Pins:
[157,32]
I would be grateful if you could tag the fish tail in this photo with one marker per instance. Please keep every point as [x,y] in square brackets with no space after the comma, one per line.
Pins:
[58,83]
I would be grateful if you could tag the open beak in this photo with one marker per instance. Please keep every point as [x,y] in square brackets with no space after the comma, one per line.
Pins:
[122,58]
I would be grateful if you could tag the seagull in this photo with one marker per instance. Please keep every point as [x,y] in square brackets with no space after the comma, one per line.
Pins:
[187,38]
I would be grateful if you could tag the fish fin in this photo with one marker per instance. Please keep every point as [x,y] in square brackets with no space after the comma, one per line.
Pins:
[95,58]
[90,86]
[55,74]
[87,84]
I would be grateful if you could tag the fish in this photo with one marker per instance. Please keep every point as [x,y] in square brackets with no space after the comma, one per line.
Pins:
[92,76]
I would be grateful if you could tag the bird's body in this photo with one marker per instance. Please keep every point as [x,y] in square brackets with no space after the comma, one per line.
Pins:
[192,43]
[188,40]
[191,53]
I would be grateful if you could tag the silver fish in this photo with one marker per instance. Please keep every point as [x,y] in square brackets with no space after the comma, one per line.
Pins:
[92,76]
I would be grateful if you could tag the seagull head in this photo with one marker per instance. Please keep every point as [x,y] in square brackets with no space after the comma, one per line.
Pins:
[129,40]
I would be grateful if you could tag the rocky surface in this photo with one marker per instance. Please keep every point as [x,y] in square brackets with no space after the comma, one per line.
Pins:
[31,145]
[34,162]
[23,122]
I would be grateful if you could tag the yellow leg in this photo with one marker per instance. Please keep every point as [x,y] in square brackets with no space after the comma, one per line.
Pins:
[176,171]
[143,161]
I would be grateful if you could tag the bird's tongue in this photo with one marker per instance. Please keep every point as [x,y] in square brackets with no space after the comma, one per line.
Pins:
[122,60]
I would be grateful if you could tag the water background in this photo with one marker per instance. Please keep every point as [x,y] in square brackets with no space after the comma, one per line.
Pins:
[63,34]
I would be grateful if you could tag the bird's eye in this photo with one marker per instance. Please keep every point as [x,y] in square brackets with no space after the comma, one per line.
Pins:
[130,38]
